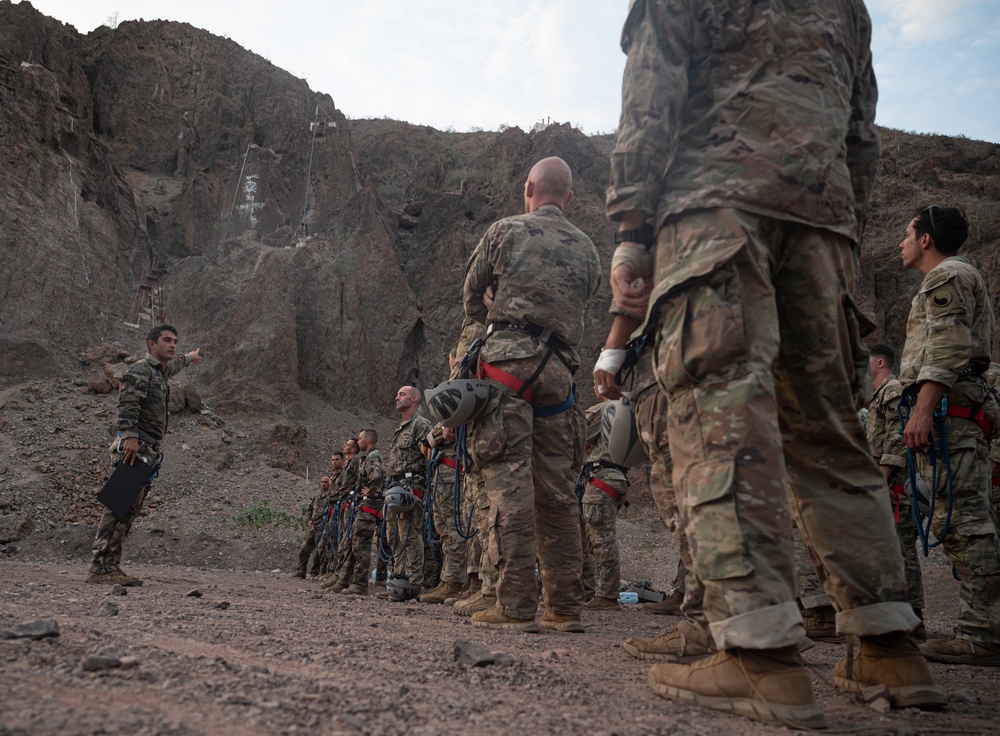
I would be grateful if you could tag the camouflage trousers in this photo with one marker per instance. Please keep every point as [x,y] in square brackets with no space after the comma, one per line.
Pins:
[759,352]
[906,531]
[600,542]
[454,549]
[651,417]
[971,540]
[808,589]
[112,529]
[306,551]
[474,499]
[358,561]
[405,541]
[529,467]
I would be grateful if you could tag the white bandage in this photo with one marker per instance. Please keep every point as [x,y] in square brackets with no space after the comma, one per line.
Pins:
[610,360]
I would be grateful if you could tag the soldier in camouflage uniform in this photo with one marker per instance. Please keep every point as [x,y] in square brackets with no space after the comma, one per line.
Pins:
[314,516]
[343,493]
[992,377]
[948,338]
[371,479]
[328,527]
[603,494]
[406,466]
[690,640]
[886,441]
[454,550]
[528,442]
[143,396]
[747,152]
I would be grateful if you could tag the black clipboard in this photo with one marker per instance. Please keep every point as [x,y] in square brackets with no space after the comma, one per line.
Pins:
[124,486]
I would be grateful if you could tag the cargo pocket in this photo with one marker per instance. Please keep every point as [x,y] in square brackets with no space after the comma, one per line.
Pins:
[494,546]
[715,531]
[701,337]
[858,326]
[489,434]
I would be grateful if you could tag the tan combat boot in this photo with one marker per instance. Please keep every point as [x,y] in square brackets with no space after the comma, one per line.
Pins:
[961,651]
[442,592]
[355,589]
[892,660]
[559,622]
[115,577]
[602,604]
[669,606]
[493,619]
[331,583]
[686,643]
[478,602]
[768,685]
[821,624]
[471,587]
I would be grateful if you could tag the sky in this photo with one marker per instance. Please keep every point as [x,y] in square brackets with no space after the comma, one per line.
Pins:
[468,65]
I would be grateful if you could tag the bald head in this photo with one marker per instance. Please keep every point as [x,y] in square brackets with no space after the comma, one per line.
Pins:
[550,181]
[407,399]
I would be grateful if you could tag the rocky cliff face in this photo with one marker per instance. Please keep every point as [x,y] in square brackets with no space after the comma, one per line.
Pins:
[158,140]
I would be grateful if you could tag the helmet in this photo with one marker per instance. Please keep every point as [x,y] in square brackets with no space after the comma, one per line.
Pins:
[920,496]
[621,434]
[400,498]
[456,402]
[400,589]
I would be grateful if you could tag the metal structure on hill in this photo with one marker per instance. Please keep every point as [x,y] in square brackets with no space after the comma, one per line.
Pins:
[148,302]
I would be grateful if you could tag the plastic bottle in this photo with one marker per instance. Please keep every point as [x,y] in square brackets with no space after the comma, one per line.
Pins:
[628,596]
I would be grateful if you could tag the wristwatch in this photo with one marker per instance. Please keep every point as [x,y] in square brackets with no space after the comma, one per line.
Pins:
[642,235]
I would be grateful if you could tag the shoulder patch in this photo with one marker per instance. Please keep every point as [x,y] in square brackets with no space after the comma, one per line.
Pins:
[944,299]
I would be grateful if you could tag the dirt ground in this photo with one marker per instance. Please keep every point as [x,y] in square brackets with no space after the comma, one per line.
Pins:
[283,658]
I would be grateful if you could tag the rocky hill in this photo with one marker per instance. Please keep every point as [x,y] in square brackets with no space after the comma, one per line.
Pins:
[318,269]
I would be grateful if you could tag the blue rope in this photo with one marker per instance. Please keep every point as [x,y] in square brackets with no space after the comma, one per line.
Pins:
[462,460]
[924,525]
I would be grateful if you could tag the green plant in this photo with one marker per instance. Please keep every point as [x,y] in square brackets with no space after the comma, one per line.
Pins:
[259,515]
[40,151]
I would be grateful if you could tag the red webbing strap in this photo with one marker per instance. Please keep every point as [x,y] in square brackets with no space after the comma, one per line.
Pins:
[602,486]
[504,378]
[898,492]
[450,463]
[373,512]
[979,417]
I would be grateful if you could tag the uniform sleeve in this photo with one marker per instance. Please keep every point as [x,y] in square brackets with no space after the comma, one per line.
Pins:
[948,336]
[176,365]
[375,473]
[478,276]
[893,451]
[657,39]
[862,137]
[131,391]
[594,416]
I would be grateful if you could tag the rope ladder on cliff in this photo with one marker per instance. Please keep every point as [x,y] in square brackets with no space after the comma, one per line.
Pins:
[148,302]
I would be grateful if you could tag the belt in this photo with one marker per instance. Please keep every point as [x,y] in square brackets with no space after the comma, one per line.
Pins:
[979,417]
[602,464]
[543,334]
[602,486]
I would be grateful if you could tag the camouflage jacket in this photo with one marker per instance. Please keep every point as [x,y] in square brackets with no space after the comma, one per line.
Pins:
[319,501]
[546,270]
[372,477]
[347,481]
[883,426]
[950,327]
[730,103]
[143,396]
[405,455]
